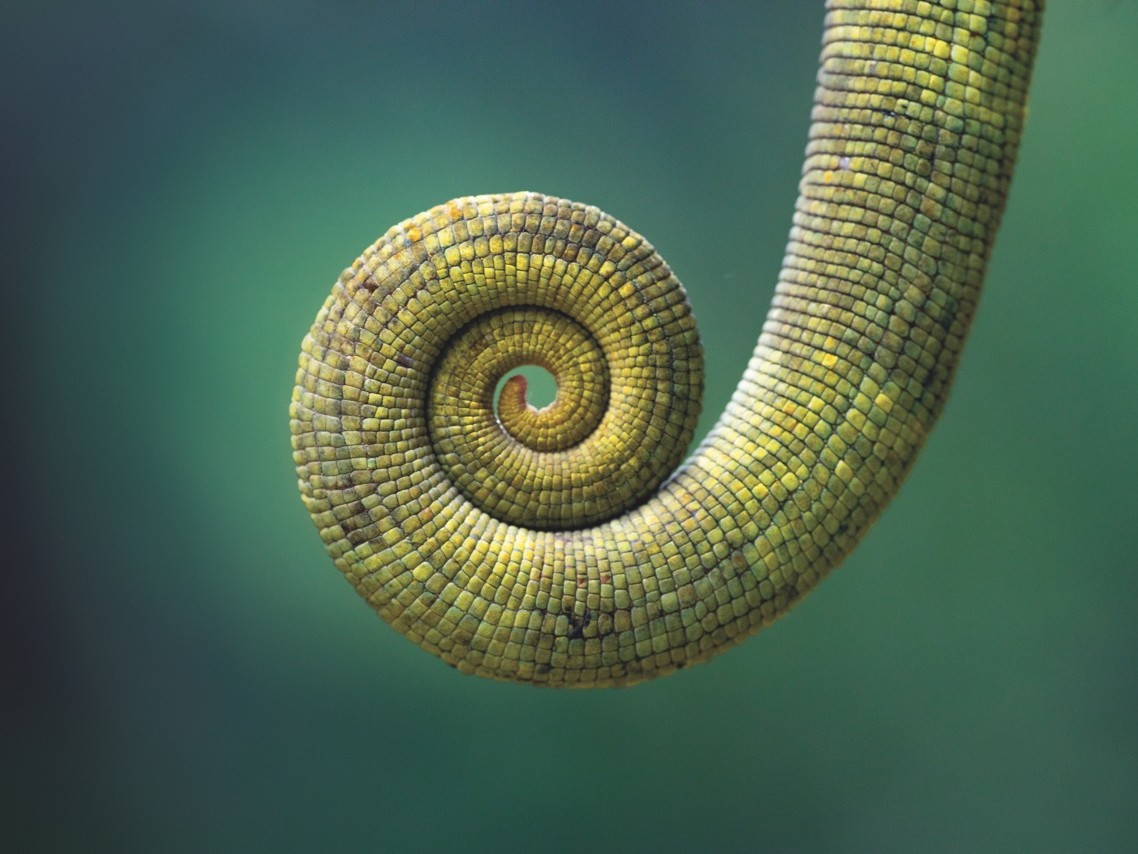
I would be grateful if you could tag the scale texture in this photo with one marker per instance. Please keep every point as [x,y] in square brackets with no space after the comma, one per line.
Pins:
[563,546]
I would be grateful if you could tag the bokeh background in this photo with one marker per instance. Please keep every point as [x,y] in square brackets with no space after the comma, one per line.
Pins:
[186,671]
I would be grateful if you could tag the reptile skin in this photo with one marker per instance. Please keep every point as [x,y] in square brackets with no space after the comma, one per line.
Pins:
[562,546]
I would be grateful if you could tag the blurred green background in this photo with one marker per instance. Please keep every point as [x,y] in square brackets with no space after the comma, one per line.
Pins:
[187,670]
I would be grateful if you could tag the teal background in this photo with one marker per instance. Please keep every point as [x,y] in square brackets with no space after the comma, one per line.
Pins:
[185,669]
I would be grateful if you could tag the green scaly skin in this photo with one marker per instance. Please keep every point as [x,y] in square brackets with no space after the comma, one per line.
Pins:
[557,546]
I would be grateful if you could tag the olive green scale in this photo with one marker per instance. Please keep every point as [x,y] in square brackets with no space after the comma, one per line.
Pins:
[563,546]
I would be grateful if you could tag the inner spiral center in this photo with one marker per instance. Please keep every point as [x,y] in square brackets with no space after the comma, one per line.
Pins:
[539,388]
[591,303]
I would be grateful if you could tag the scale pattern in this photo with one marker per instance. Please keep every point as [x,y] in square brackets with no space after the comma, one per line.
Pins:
[562,546]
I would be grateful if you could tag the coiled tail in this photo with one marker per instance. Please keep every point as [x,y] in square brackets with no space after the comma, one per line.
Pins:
[562,546]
